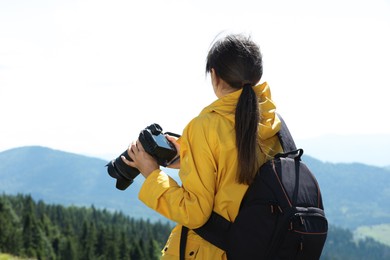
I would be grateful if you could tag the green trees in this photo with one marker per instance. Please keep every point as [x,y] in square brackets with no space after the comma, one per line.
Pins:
[40,231]
[340,245]
[36,230]
[10,231]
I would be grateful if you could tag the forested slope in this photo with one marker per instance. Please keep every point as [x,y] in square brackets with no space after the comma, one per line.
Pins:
[37,230]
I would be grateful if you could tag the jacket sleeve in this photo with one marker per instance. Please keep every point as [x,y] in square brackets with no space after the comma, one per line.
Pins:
[190,204]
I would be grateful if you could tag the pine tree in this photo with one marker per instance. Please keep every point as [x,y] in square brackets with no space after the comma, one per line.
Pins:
[10,231]
[88,240]
[67,249]
[30,233]
[124,247]
[137,252]
[102,242]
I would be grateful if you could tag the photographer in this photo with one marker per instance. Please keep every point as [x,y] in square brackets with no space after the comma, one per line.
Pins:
[220,149]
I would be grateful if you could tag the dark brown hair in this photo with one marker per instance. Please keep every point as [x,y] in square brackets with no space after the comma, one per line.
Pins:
[238,61]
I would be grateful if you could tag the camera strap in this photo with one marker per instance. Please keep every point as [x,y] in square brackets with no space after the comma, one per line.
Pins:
[173,134]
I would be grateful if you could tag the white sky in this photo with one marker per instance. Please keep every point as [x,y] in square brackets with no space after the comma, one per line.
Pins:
[87,76]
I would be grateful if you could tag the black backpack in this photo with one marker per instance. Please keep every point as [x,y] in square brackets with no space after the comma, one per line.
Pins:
[281,215]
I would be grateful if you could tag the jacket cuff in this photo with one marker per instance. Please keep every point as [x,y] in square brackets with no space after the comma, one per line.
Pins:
[153,188]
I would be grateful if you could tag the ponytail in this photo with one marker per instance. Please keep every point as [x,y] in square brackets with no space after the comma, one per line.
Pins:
[247,120]
[238,61]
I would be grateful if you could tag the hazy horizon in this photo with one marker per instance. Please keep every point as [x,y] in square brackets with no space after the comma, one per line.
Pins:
[332,148]
[87,76]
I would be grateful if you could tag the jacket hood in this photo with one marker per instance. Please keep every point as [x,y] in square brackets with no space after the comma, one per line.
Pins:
[269,122]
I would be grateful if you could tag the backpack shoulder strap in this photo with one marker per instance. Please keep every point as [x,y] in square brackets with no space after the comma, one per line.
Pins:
[285,137]
[183,242]
[215,230]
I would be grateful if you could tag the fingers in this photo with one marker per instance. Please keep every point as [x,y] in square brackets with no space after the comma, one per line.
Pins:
[175,163]
[140,159]
[128,162]
[139,146]
[173,140]
[133,147]
[132,151]
[136,147]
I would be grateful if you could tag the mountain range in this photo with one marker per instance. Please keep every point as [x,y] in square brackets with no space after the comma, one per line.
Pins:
[354,194]
[371,149]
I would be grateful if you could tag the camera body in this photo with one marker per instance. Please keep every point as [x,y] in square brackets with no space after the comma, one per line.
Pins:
[155,143]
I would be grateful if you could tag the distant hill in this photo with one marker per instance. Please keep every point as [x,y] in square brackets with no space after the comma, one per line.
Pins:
[69,179]
[353,148]
[354,194]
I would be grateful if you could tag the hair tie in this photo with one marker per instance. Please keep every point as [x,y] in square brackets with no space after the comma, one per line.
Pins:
[246,84]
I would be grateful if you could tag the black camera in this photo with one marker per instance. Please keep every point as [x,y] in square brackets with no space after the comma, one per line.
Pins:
[155,143]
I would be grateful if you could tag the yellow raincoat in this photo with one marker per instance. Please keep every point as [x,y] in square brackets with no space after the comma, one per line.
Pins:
[208,167]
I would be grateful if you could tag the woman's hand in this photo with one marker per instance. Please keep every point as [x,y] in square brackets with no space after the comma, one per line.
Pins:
[143,161]
[175,163]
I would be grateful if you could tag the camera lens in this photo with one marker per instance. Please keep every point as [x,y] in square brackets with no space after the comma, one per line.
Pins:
[123,173]
[154,143]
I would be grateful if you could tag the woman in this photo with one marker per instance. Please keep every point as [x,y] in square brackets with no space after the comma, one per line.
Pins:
[220,149]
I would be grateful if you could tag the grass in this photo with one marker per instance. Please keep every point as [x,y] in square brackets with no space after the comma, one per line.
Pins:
[11,257]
